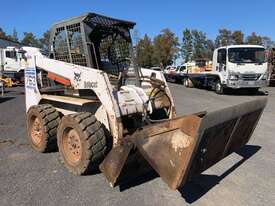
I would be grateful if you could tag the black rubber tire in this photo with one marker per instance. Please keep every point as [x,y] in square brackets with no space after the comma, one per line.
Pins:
[188,83]
[93,140]
[185,82]
[49,118]
[253,91]
[219,87]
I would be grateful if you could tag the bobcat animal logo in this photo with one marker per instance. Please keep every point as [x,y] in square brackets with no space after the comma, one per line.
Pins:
[77,78]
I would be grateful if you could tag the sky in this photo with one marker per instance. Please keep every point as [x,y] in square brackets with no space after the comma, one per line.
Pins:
[151,16]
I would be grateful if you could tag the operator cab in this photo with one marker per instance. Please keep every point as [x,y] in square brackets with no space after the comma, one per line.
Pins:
[95,41]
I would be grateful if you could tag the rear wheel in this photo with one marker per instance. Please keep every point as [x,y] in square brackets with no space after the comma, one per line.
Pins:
[42,123]
[82,142]
[188,83]
[219,87]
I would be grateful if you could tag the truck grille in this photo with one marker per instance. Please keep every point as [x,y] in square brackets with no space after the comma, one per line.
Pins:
[250,77]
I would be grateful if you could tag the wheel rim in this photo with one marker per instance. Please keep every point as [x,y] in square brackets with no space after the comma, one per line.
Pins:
[37,132]
[218,87]
[72,146]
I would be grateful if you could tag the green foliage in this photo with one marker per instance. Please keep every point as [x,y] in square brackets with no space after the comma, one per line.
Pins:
[45,41]
[227,37]
[196,45]
[210,47]
[268,42]
[14,35]
[238,37]
[224,38]
[3,35]
[199,44]
[165,48]
[144,50]
[187,45]
[30,40]
[254,39]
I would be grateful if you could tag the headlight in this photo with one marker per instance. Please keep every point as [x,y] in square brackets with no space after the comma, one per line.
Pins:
[264,77]
[233,77]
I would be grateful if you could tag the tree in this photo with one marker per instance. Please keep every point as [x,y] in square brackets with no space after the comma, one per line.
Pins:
[45,41]
[268,42]
[210,47]
[30,40]
[135,36]
[199,44]
[238,37]
[165,48]
[187,45]
[14,35]
[224,38]
[144,50]
[3,35]
[254,39]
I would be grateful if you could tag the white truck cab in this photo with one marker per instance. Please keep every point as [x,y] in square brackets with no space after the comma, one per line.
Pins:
[235,67]
[240,66]
[13,61]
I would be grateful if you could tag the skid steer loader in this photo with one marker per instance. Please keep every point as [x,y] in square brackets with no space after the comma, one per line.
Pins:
[91,100]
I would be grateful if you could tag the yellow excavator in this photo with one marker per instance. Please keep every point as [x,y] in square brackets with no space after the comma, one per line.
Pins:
[7,81]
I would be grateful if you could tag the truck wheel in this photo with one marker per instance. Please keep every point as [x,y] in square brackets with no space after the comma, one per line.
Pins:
[42,123]
[253,91]
[185,82]
[219,87]
[82,142]
[188,83]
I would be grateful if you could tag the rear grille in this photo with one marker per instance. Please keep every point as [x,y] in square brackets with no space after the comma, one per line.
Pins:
[250,77]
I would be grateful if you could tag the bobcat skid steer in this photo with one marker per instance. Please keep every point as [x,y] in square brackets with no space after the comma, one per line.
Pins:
[89,99]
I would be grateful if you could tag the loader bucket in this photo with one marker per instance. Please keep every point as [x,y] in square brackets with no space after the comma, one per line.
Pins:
[186,146]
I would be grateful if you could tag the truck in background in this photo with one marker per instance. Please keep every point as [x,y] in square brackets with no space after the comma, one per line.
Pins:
[177,74]
[13,62]
[235,67]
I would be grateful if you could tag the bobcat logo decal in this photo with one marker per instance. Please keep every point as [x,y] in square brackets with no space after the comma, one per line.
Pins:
[77,78]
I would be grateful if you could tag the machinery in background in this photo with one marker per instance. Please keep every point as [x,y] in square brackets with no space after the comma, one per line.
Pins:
[99,108]
[175,74]
[235,67]
[13,63]
[8,82]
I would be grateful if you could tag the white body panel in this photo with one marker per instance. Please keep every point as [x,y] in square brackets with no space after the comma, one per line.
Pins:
[115,104]
[250,75]
[246,71]
[11,59]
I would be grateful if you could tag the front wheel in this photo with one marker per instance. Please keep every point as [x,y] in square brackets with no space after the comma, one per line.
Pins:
[82,142]
[219,87]
[253,91]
